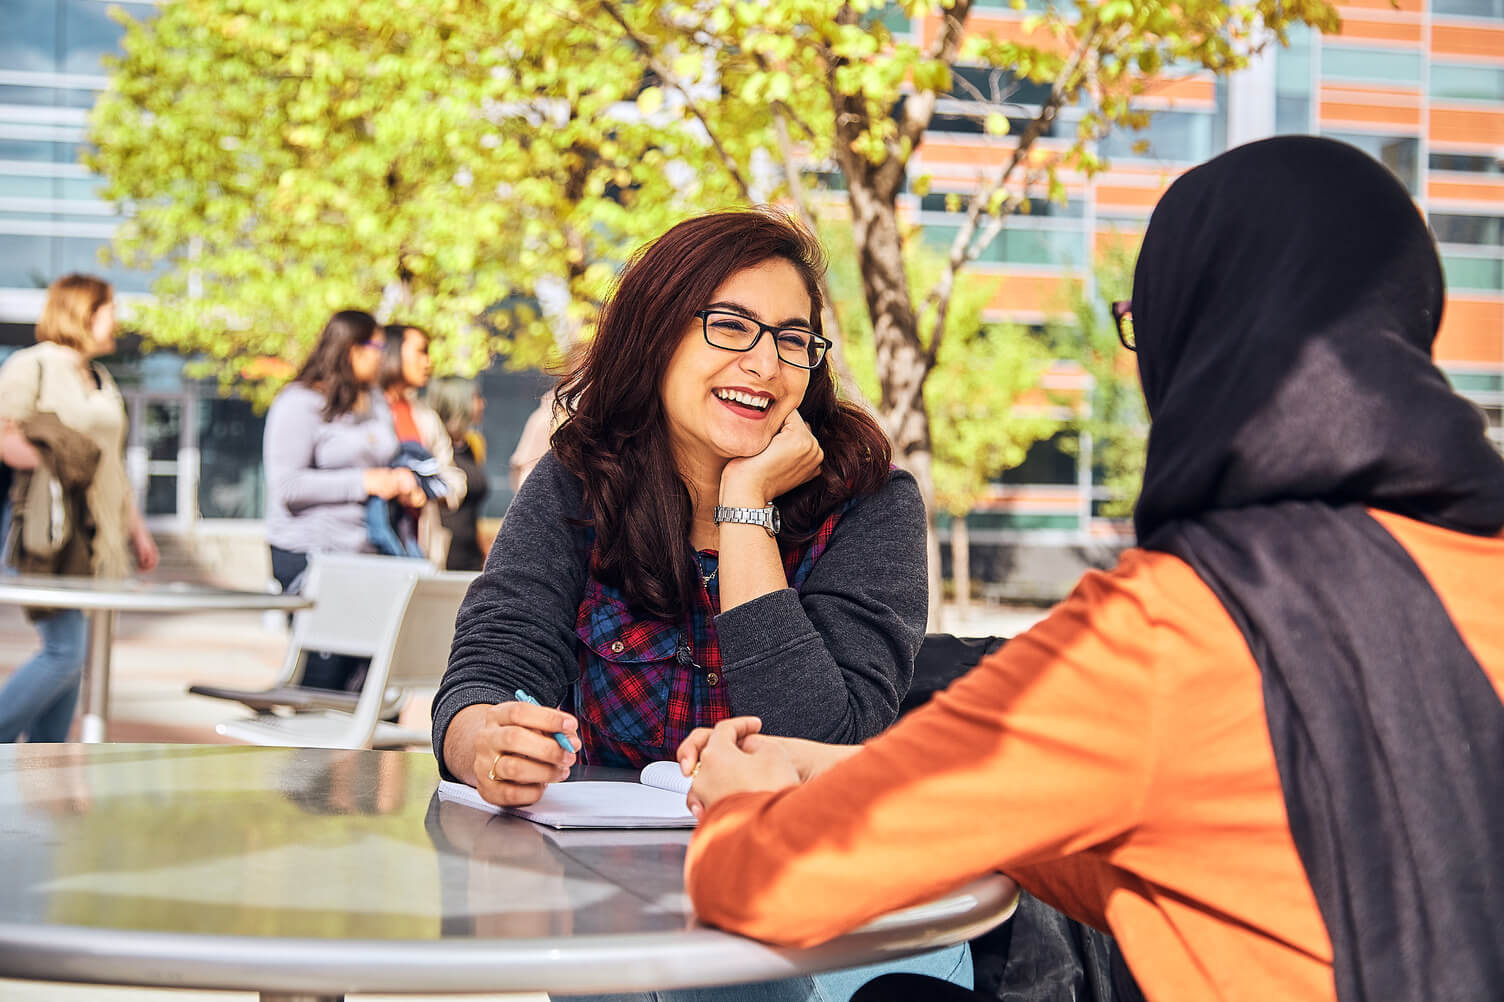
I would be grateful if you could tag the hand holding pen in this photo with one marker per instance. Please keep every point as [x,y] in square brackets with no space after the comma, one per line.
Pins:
[511,751]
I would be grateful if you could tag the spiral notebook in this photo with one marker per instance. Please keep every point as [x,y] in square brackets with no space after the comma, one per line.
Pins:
[657,801]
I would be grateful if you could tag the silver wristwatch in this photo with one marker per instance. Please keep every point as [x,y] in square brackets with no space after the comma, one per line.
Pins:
[765,517]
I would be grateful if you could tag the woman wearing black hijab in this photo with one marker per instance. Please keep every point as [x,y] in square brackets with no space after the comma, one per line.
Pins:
[1266,750]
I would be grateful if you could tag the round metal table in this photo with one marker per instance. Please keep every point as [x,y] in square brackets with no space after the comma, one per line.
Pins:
[315,873]
[101,600]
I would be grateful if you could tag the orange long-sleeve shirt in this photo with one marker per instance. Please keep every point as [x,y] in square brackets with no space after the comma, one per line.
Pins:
[1114,759]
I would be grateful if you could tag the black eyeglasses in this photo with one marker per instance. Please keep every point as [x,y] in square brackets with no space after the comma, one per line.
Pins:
[798,346]
[1122,315]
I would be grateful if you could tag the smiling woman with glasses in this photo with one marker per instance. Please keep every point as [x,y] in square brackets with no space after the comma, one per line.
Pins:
[714,532]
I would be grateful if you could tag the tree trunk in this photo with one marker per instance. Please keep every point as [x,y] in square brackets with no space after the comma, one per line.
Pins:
[960,566]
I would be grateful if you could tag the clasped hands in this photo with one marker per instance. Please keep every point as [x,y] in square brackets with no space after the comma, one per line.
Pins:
[508,753]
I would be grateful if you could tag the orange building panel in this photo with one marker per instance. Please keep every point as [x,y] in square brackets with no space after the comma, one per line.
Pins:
[1002,26]
[1469,125]
[1480,190]
[1472,330]
[1192,89]
[1035,294]
[1471,40]
[1404,116]
[1346,8]
[1362,29]
[1105,240]
[1117,196]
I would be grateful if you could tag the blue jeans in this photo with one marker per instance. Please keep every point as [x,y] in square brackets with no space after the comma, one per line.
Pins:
[953,964]
[39,699]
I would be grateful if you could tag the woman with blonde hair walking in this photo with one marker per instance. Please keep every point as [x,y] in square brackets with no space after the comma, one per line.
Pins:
[55,399]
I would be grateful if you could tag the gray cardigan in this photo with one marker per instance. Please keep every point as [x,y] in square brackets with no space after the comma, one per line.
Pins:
[830,663]
[315,469]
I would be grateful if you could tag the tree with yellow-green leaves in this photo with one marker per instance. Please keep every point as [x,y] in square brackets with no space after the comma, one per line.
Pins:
[451,156]
[445,162]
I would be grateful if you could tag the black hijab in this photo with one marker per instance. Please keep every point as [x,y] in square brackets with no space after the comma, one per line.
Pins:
[1285,302]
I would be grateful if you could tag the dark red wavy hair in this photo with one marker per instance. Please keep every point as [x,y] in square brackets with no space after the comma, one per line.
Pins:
[615,439]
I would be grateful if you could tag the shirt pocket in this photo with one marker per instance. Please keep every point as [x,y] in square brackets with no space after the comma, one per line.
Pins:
[625,689]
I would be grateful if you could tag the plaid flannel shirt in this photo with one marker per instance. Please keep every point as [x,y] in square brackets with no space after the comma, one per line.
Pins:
[644,684]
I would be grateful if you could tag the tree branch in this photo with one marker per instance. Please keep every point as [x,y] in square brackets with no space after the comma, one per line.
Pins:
[965,248]
[665,74]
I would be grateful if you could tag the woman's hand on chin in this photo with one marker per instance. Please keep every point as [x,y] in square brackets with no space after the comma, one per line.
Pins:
[792,457]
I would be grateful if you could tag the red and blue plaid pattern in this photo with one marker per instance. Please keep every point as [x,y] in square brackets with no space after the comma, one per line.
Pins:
[646,683]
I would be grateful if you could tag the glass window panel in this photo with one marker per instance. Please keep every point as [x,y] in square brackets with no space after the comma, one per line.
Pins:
[1039,206]
[83,254]
[25,261]
[1474,83]
[88,33]
[1292,115]
[1480,274]
[1469,8]
[29,40]
[39,150]
[1452,229]
[163,431]
[28,186]
[1021,244]
[18,94]
[1182,136]
[1401,154]
[1052,461]
[1392,66]
[1292,63]
[230,479]
[162,494]
[1477,163]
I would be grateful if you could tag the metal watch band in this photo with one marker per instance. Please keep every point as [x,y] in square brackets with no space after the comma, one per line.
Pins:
[765,517]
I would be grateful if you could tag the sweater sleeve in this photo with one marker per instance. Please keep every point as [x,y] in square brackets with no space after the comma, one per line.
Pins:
[20,381]
[292,424]
[515,629]
[833,661]
[1043,751]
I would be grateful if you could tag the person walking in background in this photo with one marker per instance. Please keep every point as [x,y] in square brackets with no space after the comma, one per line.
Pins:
[1266,750]
[326,446]
[405,369]
[457,402]
[59,409]
[713,532]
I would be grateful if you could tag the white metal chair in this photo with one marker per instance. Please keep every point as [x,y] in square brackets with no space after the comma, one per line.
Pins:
[354,596]
[413,651]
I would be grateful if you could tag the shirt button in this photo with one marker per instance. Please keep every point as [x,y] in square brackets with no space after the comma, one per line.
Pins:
[713,678]
[617,647]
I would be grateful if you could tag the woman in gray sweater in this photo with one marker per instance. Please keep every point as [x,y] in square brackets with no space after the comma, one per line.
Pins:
[714,533]
[327,441]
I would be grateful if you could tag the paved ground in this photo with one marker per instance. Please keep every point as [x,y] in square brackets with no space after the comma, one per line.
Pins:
[156,658]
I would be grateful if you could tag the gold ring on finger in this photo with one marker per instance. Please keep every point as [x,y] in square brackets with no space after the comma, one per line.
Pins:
[492,771]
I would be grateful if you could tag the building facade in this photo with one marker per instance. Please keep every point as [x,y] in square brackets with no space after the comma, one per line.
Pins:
[1419,84]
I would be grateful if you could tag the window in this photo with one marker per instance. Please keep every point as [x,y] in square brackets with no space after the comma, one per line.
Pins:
[1177,136]
[231,477]
[1477,274]
[1453,229]
[1469,8]
[1469,83]
[1293,67]
[1475,163]
[29,41]
[1038,206]
[1401,154]
[1022,242]
[1052,461]
[25,261]
[1365,65]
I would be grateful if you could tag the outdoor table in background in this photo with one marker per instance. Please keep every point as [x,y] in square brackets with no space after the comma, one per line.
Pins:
[101,600]
[312,873]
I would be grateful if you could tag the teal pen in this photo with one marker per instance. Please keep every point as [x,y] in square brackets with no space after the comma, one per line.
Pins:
[522,696]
